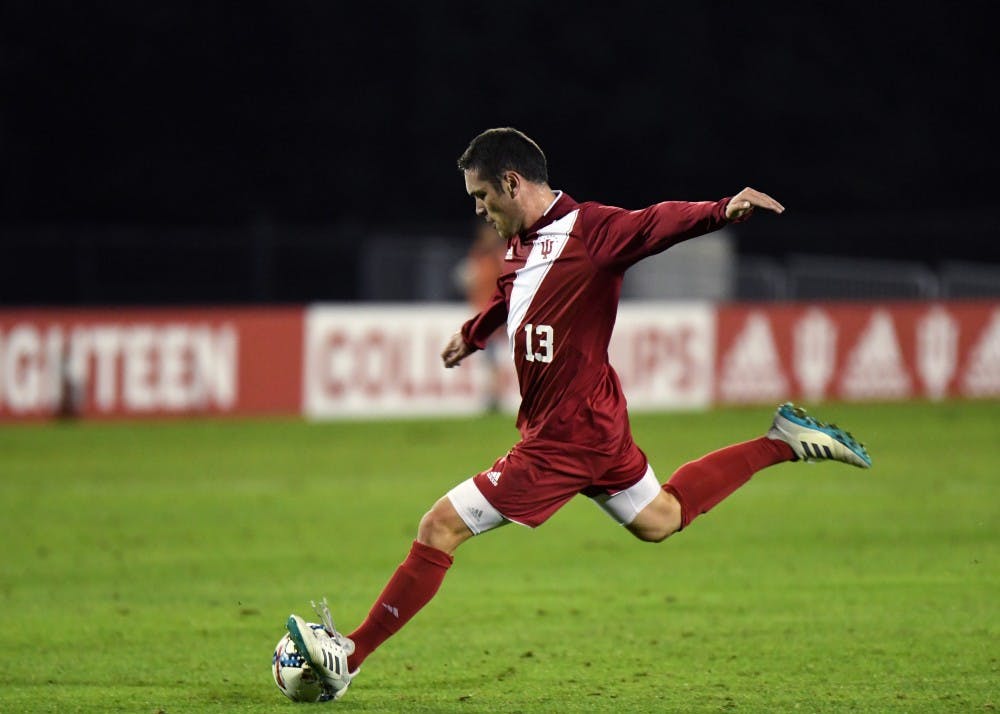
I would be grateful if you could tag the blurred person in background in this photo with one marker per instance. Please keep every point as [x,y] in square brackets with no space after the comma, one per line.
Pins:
[558,297]
[477,276]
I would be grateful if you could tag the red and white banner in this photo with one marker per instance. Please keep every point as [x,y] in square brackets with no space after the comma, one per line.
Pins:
[385,360]
[332,361]
[857,352]
[123,363]
[663,353]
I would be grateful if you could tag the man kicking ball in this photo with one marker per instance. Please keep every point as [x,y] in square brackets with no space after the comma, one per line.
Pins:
[558,298]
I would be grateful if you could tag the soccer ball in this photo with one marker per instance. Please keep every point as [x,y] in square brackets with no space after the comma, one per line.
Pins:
[293,675]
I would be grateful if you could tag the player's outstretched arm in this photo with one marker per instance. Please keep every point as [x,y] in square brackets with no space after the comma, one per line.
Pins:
[742,204]
[455,351]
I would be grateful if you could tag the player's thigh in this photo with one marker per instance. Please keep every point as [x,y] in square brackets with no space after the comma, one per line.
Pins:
[623,499]
[466,503]
[533,481]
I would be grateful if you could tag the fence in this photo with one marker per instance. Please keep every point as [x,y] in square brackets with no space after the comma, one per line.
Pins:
[264,263]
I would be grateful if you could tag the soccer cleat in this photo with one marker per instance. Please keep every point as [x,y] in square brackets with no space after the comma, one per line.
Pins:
[813,440]
[325,649]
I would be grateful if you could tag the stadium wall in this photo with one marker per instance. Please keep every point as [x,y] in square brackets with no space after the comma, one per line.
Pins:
[373,361]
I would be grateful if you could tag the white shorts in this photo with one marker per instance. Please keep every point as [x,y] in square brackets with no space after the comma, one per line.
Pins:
[480,515]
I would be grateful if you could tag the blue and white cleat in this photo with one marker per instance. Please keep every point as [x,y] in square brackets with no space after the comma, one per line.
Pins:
[325,649]
[813,440]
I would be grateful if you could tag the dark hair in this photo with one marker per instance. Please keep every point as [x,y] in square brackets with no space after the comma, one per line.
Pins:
[504,149]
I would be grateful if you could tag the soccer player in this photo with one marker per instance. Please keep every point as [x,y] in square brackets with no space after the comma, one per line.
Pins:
[558,297]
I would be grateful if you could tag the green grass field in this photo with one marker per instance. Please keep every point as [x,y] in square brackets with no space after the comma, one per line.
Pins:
[150,568]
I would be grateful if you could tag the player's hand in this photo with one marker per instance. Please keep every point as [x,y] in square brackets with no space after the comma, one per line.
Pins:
[742,204]
[455,351]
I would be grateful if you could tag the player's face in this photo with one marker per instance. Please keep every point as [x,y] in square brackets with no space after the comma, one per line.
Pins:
[497,207]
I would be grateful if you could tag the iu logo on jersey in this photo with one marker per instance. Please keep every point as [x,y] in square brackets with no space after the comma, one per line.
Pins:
[546,248]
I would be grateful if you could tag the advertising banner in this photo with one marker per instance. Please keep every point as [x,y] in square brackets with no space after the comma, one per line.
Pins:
[126,363]
[664,353]
[857,351]
[383,361]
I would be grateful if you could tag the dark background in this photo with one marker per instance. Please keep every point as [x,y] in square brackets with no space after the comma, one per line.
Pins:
[198,143]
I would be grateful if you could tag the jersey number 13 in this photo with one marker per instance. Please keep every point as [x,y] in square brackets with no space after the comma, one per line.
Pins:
[542,352]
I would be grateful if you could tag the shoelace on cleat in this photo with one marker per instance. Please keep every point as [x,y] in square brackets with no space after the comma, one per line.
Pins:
[322,611]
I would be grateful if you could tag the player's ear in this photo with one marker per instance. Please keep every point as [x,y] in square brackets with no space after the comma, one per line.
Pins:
[511,183]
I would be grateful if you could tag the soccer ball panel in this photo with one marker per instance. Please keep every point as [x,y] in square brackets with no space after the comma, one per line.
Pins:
[293,675]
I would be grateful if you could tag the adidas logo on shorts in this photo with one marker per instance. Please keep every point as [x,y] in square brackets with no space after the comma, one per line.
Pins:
[493,476]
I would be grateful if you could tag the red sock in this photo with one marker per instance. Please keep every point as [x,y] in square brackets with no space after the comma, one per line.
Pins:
[410,588]
[700,485]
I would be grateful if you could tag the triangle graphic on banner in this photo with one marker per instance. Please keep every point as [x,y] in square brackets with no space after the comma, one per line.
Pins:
[751,369]
[875,368]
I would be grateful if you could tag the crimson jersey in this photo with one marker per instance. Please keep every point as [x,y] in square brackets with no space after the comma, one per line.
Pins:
[558,296]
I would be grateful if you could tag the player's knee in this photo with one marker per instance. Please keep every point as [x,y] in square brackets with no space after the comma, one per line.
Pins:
[658,521]
[442,528]
[654,533]
[432,528]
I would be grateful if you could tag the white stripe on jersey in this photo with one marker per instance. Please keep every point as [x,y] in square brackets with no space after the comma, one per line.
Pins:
[536,267]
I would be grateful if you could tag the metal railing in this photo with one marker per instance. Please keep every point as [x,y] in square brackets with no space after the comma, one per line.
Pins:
[261,264]
[811,277]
